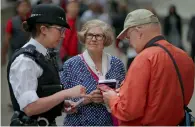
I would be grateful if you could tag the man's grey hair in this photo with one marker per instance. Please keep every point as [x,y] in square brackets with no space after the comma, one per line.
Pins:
[152,26]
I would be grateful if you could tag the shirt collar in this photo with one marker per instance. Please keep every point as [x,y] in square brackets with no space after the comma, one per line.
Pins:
[39,47]
[153,40]
[91,64]
[88,59]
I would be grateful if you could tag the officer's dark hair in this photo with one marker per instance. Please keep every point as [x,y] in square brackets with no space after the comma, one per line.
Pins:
[34,29]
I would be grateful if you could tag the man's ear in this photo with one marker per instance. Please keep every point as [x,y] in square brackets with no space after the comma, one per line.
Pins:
[140,36]
[140,32]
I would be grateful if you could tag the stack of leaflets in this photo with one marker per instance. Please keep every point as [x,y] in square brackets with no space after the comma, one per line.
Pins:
[110,83]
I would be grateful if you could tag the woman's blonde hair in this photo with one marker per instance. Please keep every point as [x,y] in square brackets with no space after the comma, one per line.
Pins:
[107,30]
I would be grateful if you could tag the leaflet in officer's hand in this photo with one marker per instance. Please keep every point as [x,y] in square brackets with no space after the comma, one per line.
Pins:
[107,84]
[76,104]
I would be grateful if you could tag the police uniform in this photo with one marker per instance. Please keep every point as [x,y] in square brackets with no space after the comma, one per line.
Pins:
[32,76]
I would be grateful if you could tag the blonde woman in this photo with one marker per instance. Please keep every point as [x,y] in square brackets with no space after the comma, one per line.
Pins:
[87,68]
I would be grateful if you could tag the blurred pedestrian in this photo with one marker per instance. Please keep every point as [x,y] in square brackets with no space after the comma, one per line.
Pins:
[15,36]
[122,45]
[151,94]
[95,11]
[87,69]
[173,27]
[70,44]
[118,17]
[191,36]
[44,2]
[83,7]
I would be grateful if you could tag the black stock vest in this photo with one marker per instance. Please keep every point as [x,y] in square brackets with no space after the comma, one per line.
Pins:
[48,82]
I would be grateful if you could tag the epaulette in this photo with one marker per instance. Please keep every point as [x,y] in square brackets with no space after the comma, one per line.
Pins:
[30,51]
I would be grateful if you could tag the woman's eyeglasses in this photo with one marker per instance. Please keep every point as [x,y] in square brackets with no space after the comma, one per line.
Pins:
[98,37]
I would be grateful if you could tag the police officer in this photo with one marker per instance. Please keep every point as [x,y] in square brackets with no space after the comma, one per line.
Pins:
[36,92]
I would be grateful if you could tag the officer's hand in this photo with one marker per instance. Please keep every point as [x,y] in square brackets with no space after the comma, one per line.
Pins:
[77,91]
[69,107]
[96,96]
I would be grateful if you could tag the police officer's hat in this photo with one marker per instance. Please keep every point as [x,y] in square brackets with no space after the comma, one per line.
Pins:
[48,13]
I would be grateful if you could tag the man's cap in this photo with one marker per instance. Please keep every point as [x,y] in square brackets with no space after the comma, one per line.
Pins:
[136,18]
[49,14]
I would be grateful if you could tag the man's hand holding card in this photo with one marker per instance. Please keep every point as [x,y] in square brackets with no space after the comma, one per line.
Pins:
[108,84]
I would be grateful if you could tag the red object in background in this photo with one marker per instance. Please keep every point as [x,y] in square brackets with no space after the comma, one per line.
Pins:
[70,42]
[9,26]
[63,4]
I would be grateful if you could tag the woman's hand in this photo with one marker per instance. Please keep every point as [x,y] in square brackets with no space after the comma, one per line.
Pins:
[96,96]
